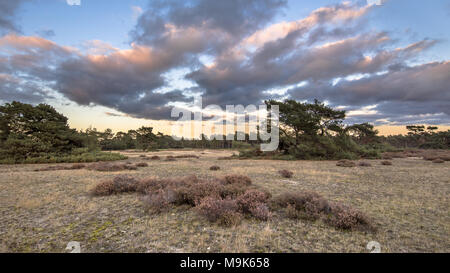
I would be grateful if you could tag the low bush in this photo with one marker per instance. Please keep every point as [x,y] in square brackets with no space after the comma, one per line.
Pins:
[346,163]
[214,168]
[286,173]
[230,219]
[392,155]
[312,206]
[77,166]
[386,163]
[111,167]
[150,185]
[103,189]
[343,217]
[120,184]
[155,158]
[222,200]
[225,158]
[223,211]
[260,211]
[438,161]
[303,205]
[142,165]
[192,194]
[237,179]
[364,164]
[251,198]
[232,190]
[85,157]
[62,168]
[186,156]
[106,167]
[130,167]
[160,200]
[125,183]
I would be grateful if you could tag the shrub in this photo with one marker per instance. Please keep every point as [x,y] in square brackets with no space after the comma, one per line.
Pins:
[260,211]
[365,164]
[291,212]
[343,217]
[225,158]
[186,156]
[346,163]
[386,163]
[230,219]
[218,210]
[237,179]
[437,154]
[142,164]
[107,167]
[192,194]
[214,168]
[232,190]
[69,158]
[103,189]
[149,185]
[155,157]
[61,168]
[391,155]
[438,161]
[250,199]
[157,202]
[312,206]
[153,184]
[125,183]
[78,166]
[130,167]
[286,173]
[120,184]
[304,205]
[142,156]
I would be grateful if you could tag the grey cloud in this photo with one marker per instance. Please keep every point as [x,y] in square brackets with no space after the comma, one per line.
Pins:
[46,33]
[279,64]
[235,17]
[15,89]
[8,10]
[428,82]
[401,95]
[123,80]
[113,114]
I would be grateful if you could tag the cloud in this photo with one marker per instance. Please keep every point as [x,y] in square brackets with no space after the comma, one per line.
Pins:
[46,33]
[137,11]
[14,88]
[399,96]
[204,25]
[125,80]
[293,57]
[73,2]
[331,55]
[113,114]
[8,11]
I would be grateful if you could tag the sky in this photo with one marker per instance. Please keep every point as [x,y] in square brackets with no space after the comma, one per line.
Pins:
[124,64]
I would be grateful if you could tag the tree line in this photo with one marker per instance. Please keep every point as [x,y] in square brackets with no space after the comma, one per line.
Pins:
[307,131]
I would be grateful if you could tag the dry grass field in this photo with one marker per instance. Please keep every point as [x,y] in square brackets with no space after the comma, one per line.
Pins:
[43,211]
